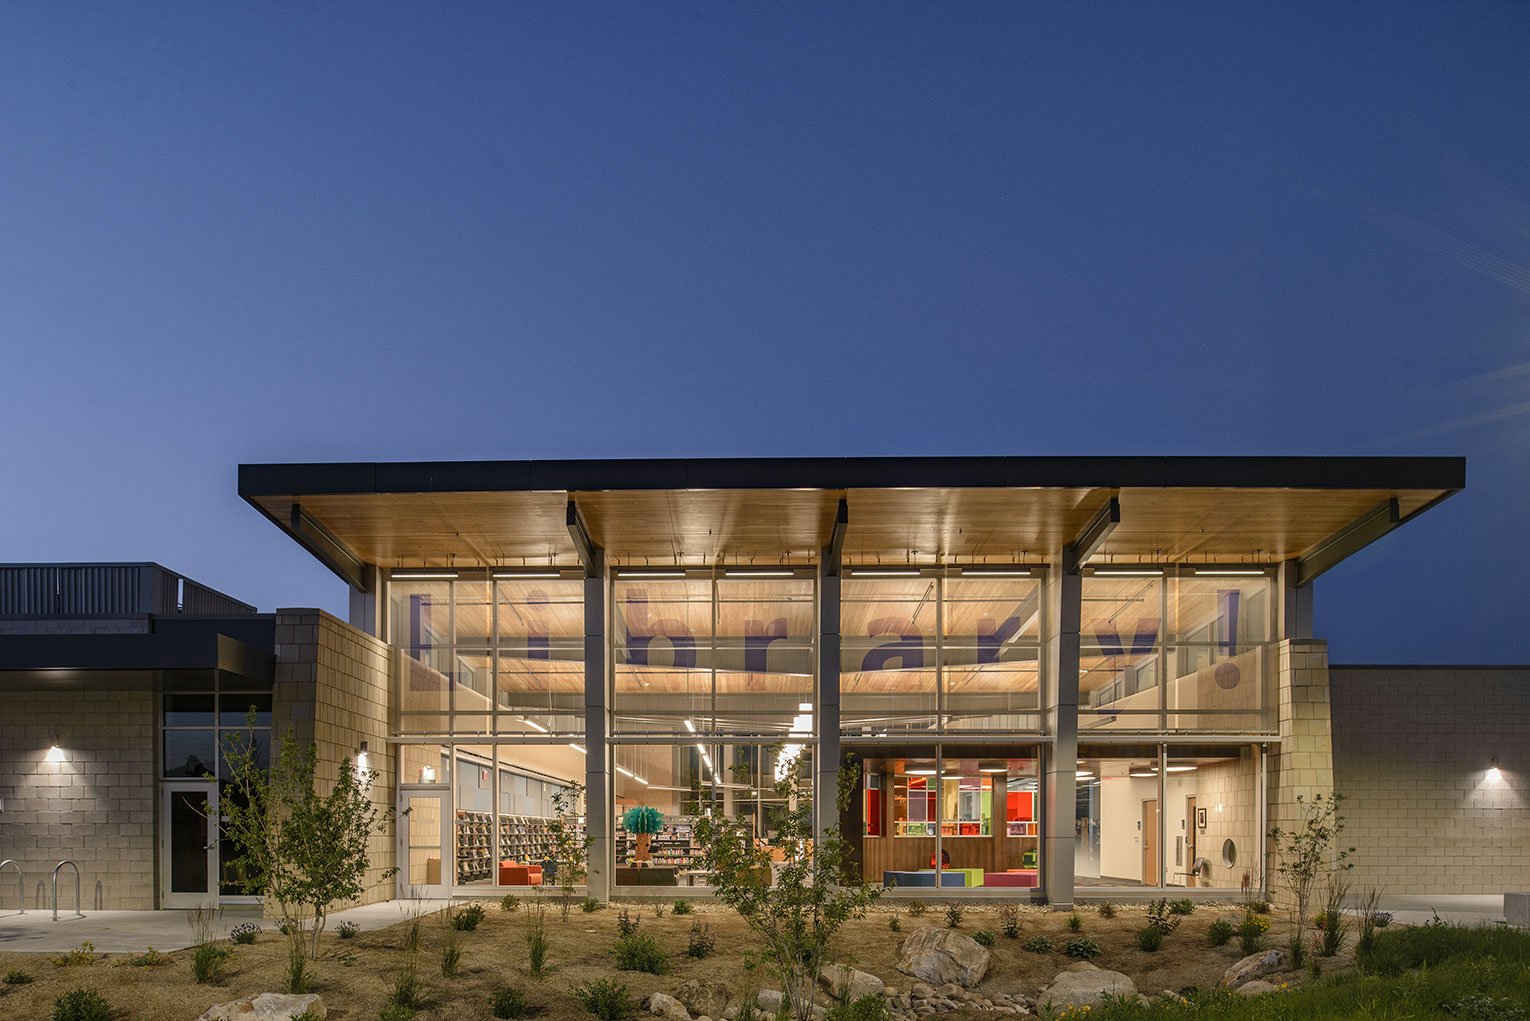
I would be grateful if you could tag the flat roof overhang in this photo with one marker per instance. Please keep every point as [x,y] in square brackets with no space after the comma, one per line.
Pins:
[97,660]
[1253,510]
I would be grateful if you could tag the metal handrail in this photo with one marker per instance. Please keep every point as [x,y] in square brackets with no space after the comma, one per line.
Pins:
[76,888]
[21,884]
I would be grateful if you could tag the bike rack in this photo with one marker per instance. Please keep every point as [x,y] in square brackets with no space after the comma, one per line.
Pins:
[21,885]
[76,868]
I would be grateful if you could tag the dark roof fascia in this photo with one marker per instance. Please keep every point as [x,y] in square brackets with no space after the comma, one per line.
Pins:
[830,473]
[152,653]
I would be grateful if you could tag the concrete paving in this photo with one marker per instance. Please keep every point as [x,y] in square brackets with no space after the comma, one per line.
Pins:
[119,932]
[1464,908]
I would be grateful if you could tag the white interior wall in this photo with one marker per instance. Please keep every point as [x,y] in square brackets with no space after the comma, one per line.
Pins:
[1121,799]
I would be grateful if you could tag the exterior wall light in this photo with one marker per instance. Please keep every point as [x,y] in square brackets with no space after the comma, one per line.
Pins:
[55,753]
[361,756]
[1493,773]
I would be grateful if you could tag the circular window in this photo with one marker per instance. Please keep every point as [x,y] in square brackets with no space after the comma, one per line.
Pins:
[1229,853]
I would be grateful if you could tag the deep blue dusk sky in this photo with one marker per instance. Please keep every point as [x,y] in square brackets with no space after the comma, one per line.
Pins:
[272,232]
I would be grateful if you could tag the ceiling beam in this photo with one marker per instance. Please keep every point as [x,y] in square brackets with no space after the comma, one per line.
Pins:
[833,552]
[588,552]
[1093,536]
[332,553]
[1350,539]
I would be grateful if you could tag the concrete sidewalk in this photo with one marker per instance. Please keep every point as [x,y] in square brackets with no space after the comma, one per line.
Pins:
[1464,908]
[120,932]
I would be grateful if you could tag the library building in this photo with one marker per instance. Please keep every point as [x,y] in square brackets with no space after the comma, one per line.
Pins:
[1058,678]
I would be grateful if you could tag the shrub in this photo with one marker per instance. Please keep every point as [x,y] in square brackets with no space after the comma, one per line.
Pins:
[407,990]
[85,953]
[1218,933]
[626,925]
[1381,919]
[682,906]
[870,1007]
[1076,922]
[953,916]
[1039,945]
[536,941]
[451,956]
[81,1004]
[640,952]
[1251,932]
[589,905]
[509,1002]
[1480,1007]
[468,918]
[1082,948]
[16,977]
[983,938]
[150,958]
[1149,938]
[1161,916]
[299,976]
[1107,909]
[207,963]
[509,902]
[396,1012]
[347,930]
[893,923]
[608,1000]
[916,908]
[1261,907]
[244,933]
[658,909]
[702,942]
[1183,906]
[1009,921]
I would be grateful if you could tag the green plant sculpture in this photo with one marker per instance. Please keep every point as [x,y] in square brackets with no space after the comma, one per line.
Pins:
[645,821]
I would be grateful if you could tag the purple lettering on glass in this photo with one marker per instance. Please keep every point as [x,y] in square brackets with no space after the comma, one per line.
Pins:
[908,649]
[1142,642]
[538,634]
[675,631]
[757,639]
[1227,674]
[989,638]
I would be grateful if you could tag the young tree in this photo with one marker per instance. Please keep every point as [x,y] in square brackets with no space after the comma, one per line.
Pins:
[1306,854]
[304,851]
[570,844]
[816,888]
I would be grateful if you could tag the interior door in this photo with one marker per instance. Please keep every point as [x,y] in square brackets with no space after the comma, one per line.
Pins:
[1150,875]
[1190,876]
[188,845]
[424,861]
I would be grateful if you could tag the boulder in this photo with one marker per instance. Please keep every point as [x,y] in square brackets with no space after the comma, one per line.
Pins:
[266,1007]
[702,996]
[1256,966]
[839,979]
[1084,985]
[1258,987]
[668,1007]
[770,1000]
[938,956]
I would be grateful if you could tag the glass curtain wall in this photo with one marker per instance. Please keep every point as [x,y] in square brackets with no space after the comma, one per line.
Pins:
[1167,816]
[940,650]
[722,664]
[1177,650]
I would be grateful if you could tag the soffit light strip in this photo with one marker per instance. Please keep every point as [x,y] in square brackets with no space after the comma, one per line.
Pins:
[650,574]
[745,572]
[1227,572]
[1122,572]
[997,572]
[883,572]
[519,575]
[424,575]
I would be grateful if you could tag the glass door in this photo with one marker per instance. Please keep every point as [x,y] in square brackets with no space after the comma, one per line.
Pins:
[188,847]
[424,861]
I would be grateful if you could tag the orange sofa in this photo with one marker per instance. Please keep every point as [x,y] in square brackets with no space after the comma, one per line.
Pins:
[511,874]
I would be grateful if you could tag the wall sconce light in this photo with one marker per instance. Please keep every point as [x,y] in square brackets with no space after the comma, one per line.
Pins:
[361,756]
[1493,773]
[55,754]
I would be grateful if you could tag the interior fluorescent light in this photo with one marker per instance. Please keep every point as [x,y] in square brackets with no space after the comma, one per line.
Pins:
[533,724]
[881,572]
[651,574]
[424,575]
[1227,572]
[1121,572]
[689,725]
[1181,769]
[745,572]
[578,748]
[1084,774]
[518,575]
[920,772]
[992,769]
[998,572]
[804,707]
[631,775]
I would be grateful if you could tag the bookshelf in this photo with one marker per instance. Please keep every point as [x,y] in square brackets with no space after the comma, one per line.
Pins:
[526,839]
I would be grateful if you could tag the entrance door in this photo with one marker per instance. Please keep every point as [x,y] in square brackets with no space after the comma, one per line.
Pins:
[424,864]
[188,846]
[1150,843]
[1190,842]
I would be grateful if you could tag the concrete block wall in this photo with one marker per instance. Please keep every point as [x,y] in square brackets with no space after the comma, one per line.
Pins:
[1302,764]
[332,688]
[95,807]
[1412,747]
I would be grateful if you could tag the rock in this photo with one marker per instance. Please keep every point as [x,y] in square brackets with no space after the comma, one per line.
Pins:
[1084,985]
[667,1006]
[266,1007]
[922,991]
[840,979]
[702,996]
[950,990]
[1255,966]
[770,1000]
[1258,987]
[943,955]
